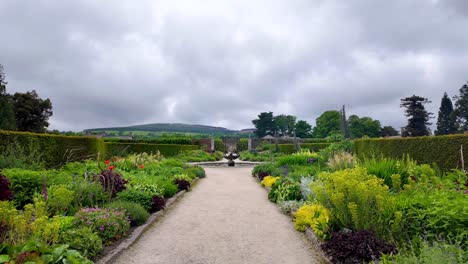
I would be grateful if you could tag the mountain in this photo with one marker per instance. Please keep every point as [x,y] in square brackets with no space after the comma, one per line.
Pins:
[170,128]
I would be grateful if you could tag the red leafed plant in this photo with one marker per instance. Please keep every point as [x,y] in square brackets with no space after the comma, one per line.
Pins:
[5,192]
[158,203]
[112,181]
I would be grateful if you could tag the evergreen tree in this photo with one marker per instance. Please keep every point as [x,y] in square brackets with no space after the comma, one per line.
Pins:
[7,114]
[446,121]
[303,129]
[389,131]
[418,116]
[461,108]
[344,124]
[327,124]
[265,124]
[32,112]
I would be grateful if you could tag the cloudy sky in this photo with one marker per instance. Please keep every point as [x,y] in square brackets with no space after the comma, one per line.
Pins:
[219,62]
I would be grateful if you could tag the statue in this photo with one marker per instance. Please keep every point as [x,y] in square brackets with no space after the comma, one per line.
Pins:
[231,156]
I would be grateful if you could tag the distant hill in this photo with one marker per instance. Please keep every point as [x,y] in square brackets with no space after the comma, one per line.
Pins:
[169,128]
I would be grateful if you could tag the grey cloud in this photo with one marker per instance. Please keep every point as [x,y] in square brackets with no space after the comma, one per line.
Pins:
[107,63]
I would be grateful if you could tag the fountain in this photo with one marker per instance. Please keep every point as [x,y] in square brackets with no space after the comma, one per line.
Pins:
[231,156]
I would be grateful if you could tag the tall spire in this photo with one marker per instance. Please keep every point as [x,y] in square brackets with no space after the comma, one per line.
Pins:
[344,123]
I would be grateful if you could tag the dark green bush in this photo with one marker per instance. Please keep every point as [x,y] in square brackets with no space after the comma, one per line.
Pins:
[55,150]
[136,196]
[24,184]
[167,150]
[137,213]
[243,144]
[82,239]
[442,150]
[195,172]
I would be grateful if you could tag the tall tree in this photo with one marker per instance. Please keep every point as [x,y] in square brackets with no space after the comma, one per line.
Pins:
[326,124]
[418,116]
[461,108]
[389,131]
[7,114]
[303,129]
[364,126]
[32,113]
[285,124]
[265,124]
[344,127]
[446,121]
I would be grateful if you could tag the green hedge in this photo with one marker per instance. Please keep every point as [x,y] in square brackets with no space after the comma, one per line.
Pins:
[243,144]
[55,150]
[290,148]
[167,150]
[176,141]
[442,150]
[219,145]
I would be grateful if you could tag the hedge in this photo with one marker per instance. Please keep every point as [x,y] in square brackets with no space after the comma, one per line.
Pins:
[291,148]
[442,150]
[243,144]
[176,141]
[55,150]
[167,150]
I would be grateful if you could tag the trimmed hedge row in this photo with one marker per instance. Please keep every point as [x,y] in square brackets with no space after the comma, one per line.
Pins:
[167,150]
[176,141]
[55,150]
[243,144]
[442,150]
[291,148]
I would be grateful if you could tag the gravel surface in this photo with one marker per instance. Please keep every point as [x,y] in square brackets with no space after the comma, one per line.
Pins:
[227,218]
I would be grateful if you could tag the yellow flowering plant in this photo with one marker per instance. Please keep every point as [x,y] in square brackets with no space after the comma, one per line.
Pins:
[315,216]
[268,181]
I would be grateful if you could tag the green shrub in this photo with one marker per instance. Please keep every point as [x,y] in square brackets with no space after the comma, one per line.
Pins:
[219,145]
[24,184]
[301,158]
[243,144]
[341,161]
[195,172]
[137,213]
[266,169]
[136,196]
[55,150]
[84,240]
[59,199]
[167,150]
[285,189]
[109,224]
[443,150]
[16,156]
[87,194]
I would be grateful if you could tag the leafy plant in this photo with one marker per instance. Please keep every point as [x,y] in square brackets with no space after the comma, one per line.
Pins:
[5,191]
[266,169]
[306,191]
[300,158]
[109,224]
[290,207]
[314,216]
[182,184]
[285,189]
[341,160]
[87,194]
[112,181]
[136,196]
[59,199]
[356,247]
[197,171]
[268,181]
[137,213]
[24,184]
[84,240]
[157,203]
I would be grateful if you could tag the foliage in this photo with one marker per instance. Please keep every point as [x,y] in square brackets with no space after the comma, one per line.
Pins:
[265,124]
[7,114]
[182,184]
[442,150]
[418,116]
[87,194]
[389,131]
[314,216]
[31,112]
[197,171]
[268,181]
[137,213]
[446,121]
[290,207]
[292,148]
[285,189]
[198,156]
[356,247]
[53,150]
[341,161]
[303,158]
[306,191]
[24,184]
[265,169]
[285,125]
[339,146]
[426,253]
[364,126]
[356,199]
[136,196]
[84,240]
[157,203]
[385,168]
[167,150]
[59,199]
[259,156]
[33,252]
[303,129]
[461,108]
[16,156]
[327,124]
[5,192]
[112,181]
[109,224]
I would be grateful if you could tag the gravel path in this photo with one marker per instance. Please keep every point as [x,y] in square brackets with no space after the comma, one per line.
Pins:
[227,218]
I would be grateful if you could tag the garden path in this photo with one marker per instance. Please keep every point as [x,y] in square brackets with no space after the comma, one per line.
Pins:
[227,218]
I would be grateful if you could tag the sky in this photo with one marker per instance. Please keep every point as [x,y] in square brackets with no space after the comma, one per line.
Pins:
[218,62]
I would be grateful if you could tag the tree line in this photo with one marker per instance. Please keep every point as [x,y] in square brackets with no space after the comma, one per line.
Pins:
[452,118]
[23,111]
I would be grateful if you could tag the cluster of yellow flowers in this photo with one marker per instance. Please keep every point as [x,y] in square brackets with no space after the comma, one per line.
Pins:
[268,181]
[314,216]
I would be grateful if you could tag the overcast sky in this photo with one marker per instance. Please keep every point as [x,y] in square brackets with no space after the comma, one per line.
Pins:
[219,62]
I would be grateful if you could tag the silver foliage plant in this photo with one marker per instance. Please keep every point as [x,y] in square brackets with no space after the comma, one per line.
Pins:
[306,191]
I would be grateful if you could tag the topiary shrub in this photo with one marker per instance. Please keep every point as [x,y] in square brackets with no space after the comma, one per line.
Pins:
[5,191]
[158,203]
[82,239]
[112,181]
[137,213]
[356,247]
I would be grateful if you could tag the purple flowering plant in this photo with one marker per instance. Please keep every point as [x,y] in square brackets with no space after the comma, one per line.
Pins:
[109,224]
